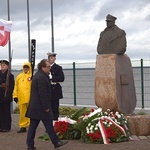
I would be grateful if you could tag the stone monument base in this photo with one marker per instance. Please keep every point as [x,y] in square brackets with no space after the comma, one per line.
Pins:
[114,83]
[139,125]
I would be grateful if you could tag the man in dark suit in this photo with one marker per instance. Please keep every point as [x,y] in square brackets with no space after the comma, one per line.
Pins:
[56,76]
[40,106]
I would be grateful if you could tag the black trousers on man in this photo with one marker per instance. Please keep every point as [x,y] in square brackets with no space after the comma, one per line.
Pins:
[48,123]
[55,108]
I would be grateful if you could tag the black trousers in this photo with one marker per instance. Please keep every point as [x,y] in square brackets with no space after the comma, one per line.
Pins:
[48,123]
[5,116]
[55,108]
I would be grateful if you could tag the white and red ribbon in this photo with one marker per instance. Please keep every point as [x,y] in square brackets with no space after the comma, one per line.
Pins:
[103,131]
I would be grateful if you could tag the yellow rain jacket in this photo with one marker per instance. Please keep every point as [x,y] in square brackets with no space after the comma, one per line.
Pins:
[23,85]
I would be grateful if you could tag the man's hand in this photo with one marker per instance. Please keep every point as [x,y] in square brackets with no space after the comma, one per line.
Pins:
[16,99]
[47,110]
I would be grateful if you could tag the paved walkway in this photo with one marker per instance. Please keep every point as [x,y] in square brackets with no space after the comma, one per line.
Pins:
[17,141]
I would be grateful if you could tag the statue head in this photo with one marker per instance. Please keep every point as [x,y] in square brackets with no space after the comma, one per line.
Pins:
[110,20]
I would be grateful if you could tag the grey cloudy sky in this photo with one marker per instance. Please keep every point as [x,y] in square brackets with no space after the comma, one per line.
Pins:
[77,25]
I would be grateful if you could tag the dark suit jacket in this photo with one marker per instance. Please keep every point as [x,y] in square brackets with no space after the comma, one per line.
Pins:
[40,98]
[8,97]
[57,76]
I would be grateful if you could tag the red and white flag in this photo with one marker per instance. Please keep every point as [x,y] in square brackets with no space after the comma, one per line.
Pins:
[5,29]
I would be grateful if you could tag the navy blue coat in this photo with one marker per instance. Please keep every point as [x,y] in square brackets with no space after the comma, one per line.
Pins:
[8,97]
[57,76]
[40,98]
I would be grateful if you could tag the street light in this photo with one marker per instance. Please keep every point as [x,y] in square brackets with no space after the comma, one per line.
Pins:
[28,23]
[52,28]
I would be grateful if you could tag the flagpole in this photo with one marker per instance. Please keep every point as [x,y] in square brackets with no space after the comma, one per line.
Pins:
[52,28]
[28,23]
[9,43]
[9,48]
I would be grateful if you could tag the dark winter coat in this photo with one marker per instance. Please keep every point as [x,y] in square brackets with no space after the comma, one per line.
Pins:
[40,98]
[57,76]
[10,87]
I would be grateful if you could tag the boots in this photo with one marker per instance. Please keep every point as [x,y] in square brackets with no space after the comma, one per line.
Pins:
[22,130]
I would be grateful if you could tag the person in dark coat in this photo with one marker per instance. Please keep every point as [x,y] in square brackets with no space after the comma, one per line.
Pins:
[40,106]
[6,90]
[56,76]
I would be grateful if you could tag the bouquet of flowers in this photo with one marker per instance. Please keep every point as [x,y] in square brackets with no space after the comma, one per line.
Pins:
[93,126]
[66,127]
[104,127]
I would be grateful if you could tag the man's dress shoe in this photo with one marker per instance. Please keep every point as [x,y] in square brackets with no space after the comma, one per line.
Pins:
[60,143]
[31,148]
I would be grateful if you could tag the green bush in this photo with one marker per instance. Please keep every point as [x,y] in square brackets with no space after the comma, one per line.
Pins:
[65,111]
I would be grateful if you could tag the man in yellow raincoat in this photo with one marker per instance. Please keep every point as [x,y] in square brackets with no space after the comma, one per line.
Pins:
[21,95]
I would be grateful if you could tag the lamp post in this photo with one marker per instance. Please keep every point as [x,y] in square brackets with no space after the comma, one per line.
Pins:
[28,23]
[52,28]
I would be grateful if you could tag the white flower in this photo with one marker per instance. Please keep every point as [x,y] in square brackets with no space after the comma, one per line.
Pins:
[89,124]
[105,122]
[118,122]
[110,123]
[105,113]
[118,115]
[86,117]
[101,113]
[91,131]
[92,127]
[87,131]
[96,128]
[97,125]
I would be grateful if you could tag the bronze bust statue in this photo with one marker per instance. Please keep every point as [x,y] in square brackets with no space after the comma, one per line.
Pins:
[113,39]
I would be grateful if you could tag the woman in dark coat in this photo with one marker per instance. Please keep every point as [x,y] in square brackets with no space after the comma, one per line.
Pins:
[40,106]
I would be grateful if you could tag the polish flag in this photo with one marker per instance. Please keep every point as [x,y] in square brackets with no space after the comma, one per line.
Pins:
[5,28]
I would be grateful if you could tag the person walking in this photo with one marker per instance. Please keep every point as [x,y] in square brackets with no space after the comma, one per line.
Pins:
[21,95]
[6,90]
[40,108]
[56,76]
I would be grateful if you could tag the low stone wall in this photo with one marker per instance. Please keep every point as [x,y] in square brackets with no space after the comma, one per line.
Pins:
[139,125]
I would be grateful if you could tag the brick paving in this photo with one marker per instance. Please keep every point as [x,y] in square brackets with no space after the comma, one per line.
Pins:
[17,141]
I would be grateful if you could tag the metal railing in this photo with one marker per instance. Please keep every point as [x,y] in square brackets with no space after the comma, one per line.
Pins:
[78,87]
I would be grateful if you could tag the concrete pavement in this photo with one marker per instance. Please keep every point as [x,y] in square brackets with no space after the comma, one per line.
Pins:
[17,141]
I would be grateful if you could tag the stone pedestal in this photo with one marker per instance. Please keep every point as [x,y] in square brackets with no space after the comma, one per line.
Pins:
[139,125]
[114,83]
